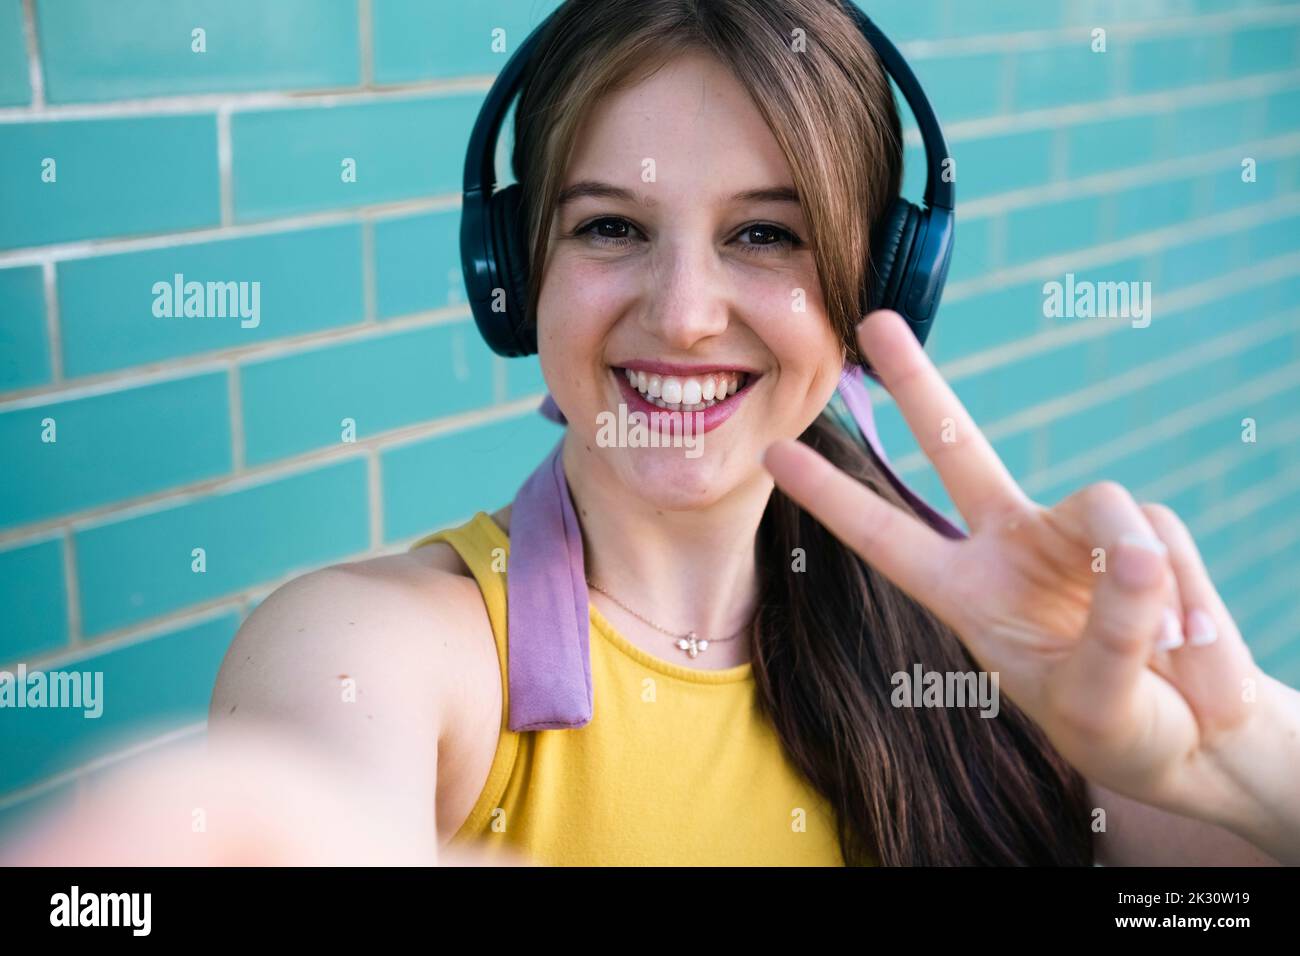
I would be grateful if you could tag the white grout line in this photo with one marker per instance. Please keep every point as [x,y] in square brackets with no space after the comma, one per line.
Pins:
[49,281]
[35,72]
[1268,643]
[1255,551]
[115,380]
[234,399]
[1188,297]
[1106,184]
[191,615]
[365,38]
[324,97]
[1155,240]
[1282,146]
[72,587]
[952,371]
[1237,507]
[1134,380]
[78,775]
[368,269]
[1263,593]
[104,383]
[1081,34]
[1172,425]
[331,217]
[1098,110]
[375,480]
[224,174]
[282,468]
[1199,471]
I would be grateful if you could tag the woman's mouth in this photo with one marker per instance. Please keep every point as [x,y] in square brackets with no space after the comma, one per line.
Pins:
[714,394]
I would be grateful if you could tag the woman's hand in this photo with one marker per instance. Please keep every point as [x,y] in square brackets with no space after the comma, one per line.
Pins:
[1097,614]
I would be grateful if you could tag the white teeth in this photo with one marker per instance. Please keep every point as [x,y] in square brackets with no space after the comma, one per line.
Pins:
[688,394]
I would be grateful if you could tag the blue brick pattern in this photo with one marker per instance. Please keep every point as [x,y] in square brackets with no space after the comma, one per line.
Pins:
[127,159]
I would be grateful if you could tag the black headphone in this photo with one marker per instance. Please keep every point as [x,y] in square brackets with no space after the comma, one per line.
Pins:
[911,245]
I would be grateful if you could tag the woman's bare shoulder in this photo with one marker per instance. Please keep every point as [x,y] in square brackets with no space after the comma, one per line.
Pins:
[381,660]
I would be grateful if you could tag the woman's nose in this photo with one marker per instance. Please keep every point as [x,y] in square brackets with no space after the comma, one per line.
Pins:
[688,298]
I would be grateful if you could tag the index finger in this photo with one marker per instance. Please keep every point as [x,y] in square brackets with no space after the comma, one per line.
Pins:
[971,471]
[907,551]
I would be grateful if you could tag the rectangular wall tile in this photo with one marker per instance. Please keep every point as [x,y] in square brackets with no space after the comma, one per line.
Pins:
[145,689]
[1047,229]
[15,87]
[1000,163]
[110,177]
[139,567]
[113,446]
[417,40]
[523,376]
[1063,75]
[962,87]
[24,341]
[293,160]
[417,263]
[299,402]
[95,51]
[1109,145]
[291,283]
[35,598]
[431,483]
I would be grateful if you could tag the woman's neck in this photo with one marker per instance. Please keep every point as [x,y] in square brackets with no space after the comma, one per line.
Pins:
[684,570]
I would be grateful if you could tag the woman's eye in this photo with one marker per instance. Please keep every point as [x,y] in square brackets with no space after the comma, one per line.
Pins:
[618,227]
[775,239]
[761,239]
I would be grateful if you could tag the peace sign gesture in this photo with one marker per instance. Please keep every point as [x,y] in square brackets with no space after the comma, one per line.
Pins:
[1098,614]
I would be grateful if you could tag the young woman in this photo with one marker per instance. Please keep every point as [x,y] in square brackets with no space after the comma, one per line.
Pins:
[734,263]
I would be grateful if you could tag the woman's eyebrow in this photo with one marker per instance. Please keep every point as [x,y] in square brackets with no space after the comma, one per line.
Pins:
[601,190]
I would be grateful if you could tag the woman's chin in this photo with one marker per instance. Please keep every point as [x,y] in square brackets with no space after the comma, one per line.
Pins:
[669,480]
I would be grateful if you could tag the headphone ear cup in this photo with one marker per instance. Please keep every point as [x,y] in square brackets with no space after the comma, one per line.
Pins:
[511,254]
[891,249]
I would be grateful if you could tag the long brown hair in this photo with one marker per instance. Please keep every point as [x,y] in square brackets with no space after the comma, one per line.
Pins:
[909,786]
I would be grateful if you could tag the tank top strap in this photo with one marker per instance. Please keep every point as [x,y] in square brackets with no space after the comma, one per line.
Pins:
[485,549]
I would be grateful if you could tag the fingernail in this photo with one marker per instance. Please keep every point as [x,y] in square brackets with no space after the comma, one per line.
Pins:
[1138,540]
[1201,629]
[1173,632]
[1132,569]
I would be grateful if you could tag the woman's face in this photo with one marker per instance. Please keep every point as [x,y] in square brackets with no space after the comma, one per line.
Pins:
[661,263]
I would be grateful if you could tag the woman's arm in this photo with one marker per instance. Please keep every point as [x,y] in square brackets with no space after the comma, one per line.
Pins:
[322,744]
[1138,834]
[344,661]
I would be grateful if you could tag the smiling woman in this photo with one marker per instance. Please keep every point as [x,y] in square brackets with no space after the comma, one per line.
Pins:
[698,198]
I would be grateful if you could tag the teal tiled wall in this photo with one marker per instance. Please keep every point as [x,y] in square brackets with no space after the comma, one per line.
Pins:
[175,434]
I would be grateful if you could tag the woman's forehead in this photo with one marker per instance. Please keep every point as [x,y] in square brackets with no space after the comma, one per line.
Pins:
[688,125]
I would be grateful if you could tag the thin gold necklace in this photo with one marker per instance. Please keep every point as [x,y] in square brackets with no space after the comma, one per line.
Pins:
[691,643]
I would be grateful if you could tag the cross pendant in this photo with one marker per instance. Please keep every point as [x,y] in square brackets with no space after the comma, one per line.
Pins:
[692,645]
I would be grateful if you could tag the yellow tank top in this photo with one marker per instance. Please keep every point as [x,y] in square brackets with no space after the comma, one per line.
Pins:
[676,768]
